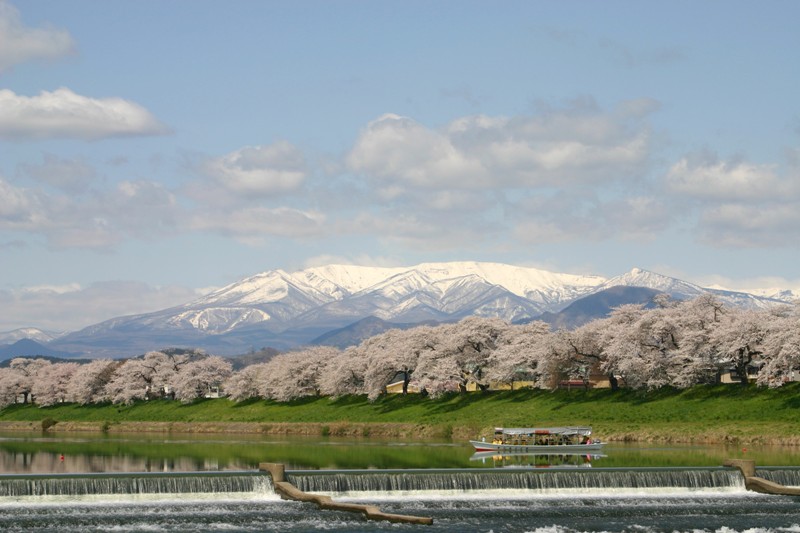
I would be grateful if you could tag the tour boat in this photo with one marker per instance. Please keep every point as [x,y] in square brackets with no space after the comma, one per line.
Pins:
[542,440]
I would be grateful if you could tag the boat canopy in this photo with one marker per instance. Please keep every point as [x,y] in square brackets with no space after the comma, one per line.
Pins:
[567,430]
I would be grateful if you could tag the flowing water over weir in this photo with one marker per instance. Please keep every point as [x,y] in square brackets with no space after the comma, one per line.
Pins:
[522,479]
[782,475]
[650,500]
[134,483]
[348,481]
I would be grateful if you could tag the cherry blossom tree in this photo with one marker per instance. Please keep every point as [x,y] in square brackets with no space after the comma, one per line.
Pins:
[165,367]
[345,373]
[636,347]
[52,383]
[22,375]
[297,374]
[198,377]
[460,356]
[133,380]
[738,340]
[395,353]
[247,383]
[520,354]
[88,383]
[782,344]
[692,322]
[581,353]
[8,386]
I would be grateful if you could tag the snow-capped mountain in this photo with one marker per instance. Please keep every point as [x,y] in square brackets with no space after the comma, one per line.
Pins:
[638,277]
[784,295]
[282,309]
[34,334]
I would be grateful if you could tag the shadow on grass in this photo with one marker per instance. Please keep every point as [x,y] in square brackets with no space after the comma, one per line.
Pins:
[350,401]
[792,392]
[247,403]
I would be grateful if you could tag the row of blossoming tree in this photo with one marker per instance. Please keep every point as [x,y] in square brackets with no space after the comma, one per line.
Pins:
[676,343]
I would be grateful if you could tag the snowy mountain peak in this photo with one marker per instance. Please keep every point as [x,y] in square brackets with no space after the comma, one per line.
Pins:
[34,334]
[282,309]
[638,277]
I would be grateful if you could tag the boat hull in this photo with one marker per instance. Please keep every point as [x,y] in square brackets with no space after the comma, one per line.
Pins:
[481,446]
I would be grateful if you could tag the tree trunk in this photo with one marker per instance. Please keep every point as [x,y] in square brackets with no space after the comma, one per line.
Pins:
[745,357]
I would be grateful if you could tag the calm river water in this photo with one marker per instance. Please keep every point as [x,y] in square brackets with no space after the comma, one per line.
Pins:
[725,507]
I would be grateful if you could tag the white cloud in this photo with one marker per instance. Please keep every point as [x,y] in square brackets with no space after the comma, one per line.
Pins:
[102,219]
[19,44]
[557,217]
[255,224]
[260,170]
[399,148]
[56,289]
[93,220]
[640,218]
[359,259]
[20,208]
[568,147]
[72,307]
[711,179]
[760,285]
[69,175]
[64,114]
[760,225]
[736,203]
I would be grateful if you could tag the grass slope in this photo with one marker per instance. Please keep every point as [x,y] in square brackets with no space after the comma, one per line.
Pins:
[705,413]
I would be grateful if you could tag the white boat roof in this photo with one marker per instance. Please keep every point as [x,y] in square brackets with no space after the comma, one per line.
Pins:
[563,430]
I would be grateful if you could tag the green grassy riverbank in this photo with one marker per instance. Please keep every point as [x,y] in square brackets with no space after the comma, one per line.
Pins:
[712,414]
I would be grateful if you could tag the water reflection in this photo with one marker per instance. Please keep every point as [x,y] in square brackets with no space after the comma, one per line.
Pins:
[38,453]
[536,460]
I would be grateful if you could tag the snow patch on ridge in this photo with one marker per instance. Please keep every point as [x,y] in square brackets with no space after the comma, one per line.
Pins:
[219,319]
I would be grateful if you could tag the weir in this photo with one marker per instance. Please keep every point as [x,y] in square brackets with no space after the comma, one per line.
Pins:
[346,481]
[351,481]
[133,483]
[288,491]
[758,483]
[789,477]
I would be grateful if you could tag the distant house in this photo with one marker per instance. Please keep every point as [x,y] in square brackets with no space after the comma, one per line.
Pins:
[397,388]
[729,375]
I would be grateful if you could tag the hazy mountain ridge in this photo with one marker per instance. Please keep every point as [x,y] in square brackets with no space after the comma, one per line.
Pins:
[283,310]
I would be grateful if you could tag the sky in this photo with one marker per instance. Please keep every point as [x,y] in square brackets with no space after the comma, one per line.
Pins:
[152,151]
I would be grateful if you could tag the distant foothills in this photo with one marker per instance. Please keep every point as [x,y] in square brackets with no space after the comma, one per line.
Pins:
[341,305]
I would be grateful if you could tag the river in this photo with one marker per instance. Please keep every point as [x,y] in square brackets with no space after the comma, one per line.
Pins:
[644,488]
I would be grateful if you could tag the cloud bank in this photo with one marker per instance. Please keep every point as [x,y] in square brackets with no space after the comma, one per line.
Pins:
[20,44]
[63,114]
[576,173]
[74,307]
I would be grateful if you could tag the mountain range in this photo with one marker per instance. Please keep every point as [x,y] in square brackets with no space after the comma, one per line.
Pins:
[283,310]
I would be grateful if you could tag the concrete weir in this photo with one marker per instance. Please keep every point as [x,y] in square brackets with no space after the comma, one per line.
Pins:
[759,484]
[288,491]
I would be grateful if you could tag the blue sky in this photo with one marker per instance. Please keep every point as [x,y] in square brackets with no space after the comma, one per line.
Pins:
[151,150]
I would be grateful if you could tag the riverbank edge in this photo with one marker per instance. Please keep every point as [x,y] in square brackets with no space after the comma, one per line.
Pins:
[404,431]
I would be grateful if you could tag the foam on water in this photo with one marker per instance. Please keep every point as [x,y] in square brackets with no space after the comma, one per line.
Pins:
[577,513]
